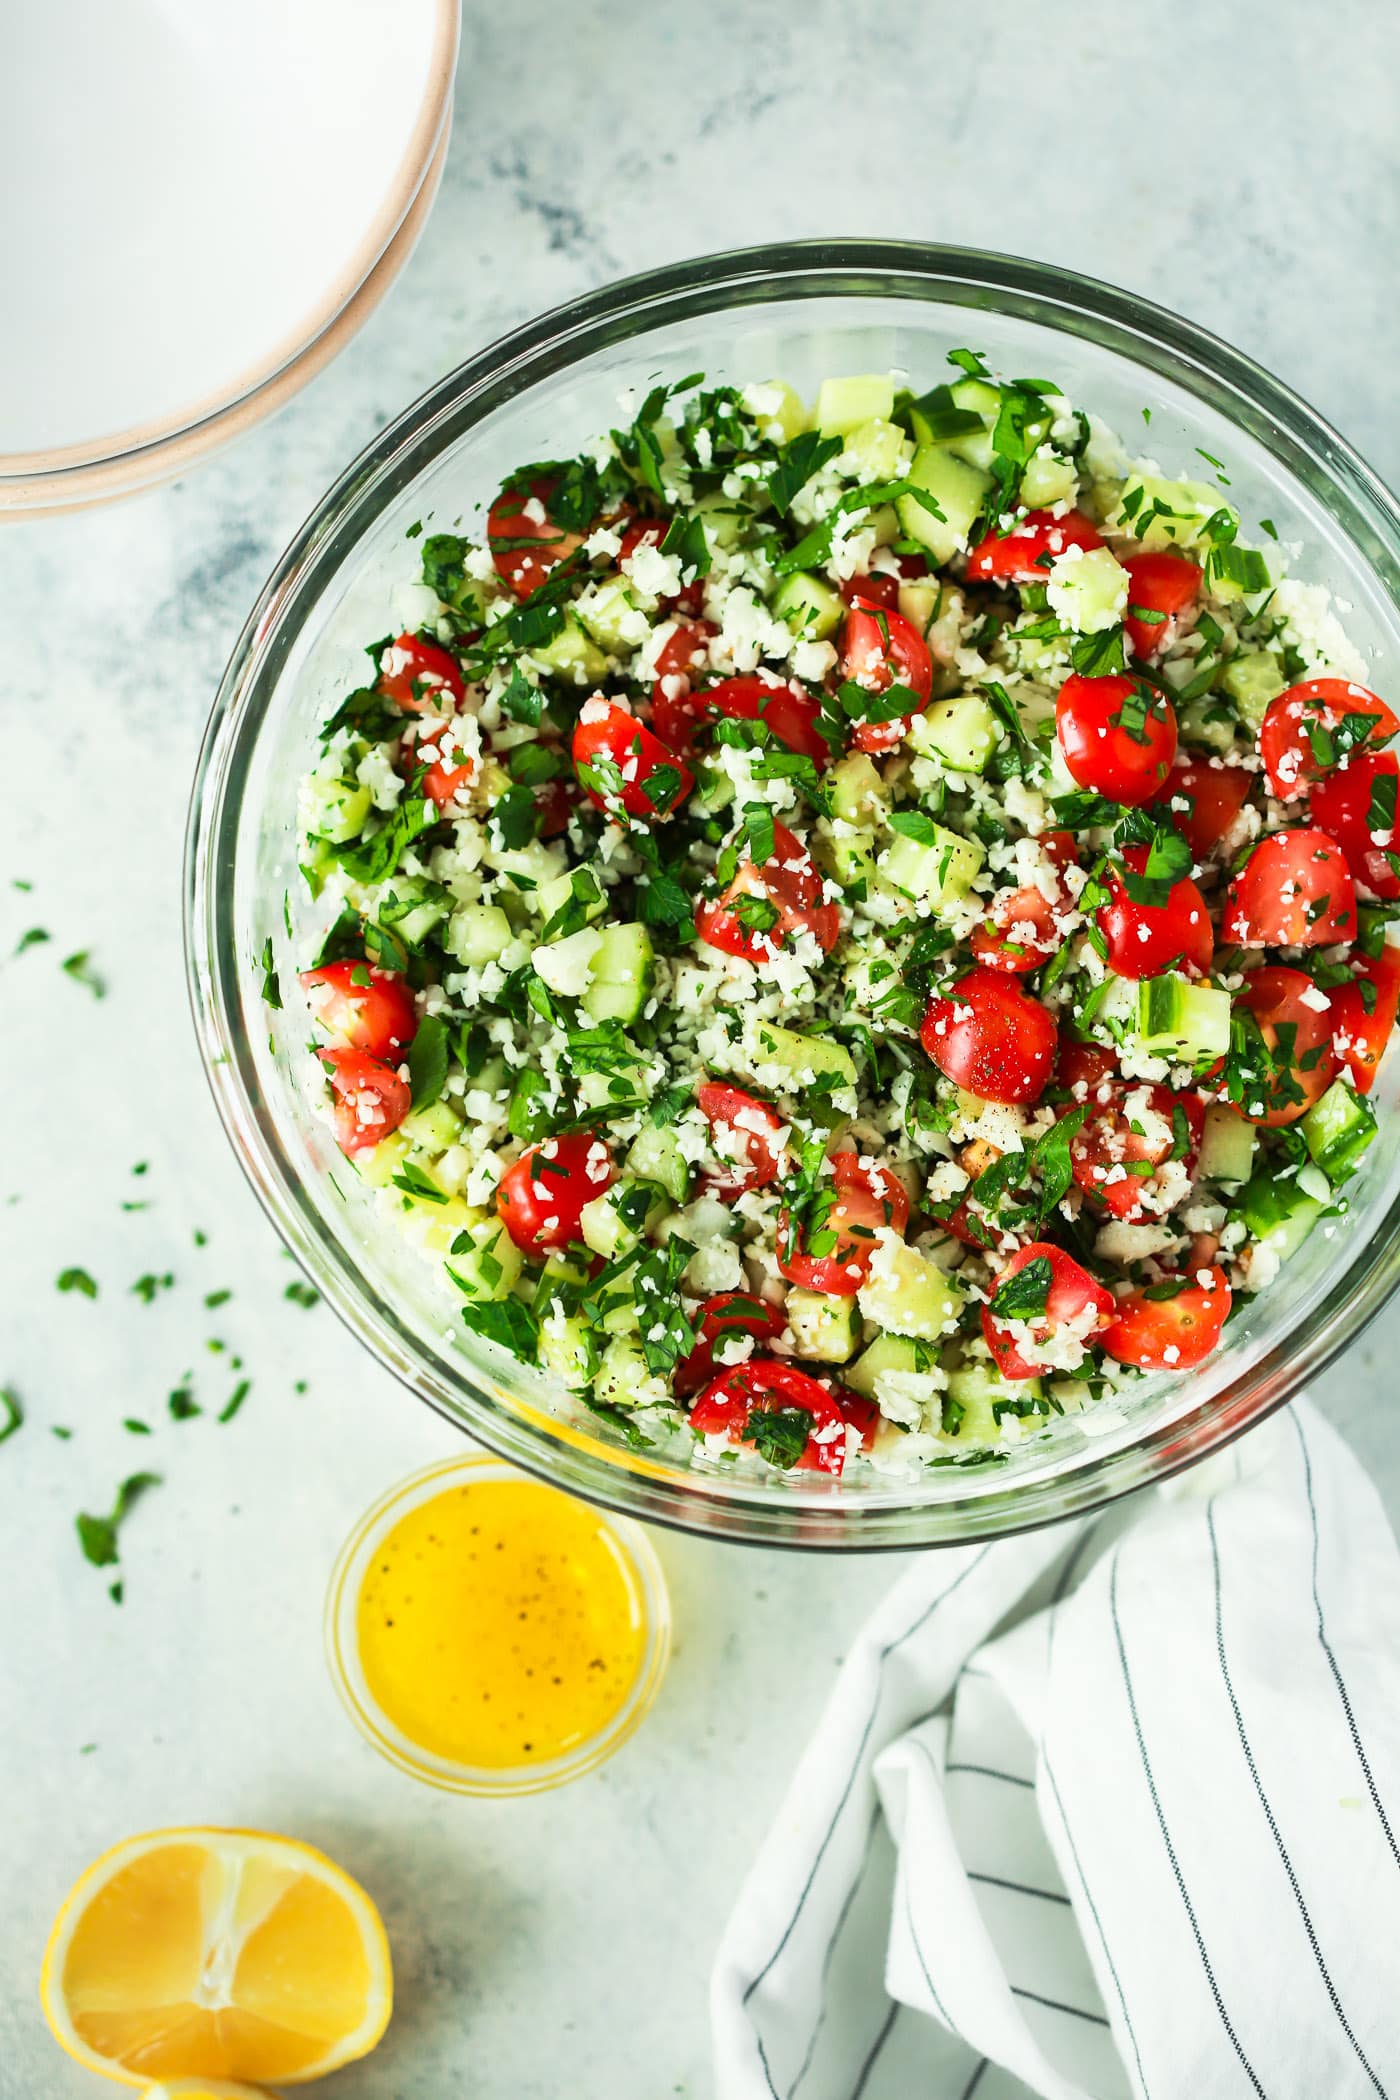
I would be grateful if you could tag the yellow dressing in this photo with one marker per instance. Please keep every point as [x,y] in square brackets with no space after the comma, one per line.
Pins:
[499,1624]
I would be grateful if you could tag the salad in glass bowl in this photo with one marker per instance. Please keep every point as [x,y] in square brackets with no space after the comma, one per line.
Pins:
[851,932]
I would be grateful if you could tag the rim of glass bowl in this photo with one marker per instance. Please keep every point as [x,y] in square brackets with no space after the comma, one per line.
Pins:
[732,1505]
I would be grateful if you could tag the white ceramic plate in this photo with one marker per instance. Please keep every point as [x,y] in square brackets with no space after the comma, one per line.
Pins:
[194,190]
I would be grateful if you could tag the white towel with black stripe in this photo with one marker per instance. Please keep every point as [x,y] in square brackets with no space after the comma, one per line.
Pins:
[1103,1811]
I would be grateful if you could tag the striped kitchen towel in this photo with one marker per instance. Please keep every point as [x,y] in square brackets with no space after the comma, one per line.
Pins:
[1103,1811]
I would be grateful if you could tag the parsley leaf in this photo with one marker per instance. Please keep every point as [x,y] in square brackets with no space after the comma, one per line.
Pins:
[805,456]
[77,1280]
[98,1535]
[427,1060]
[508,1322]
[1024,1295]
[779,1434]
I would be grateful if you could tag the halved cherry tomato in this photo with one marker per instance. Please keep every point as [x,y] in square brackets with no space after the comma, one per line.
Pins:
[1307,729]
[1019,934]
[723,1318]
[1359,814]
[1294,891]
[622,755]
[556,801]
[747,1135]
[432,741]
[524,540]
[791,886]
[1298,1033]
[1024,554]
[1086,1066]
[366,1008]
[420,677]
[764,1385]
[542,1196]
[691,596]
[1216,794]
[1072,1300]
[1145,939]
[676,710]
[1169,1334]
[790,712]
[1118,737]
[1157,583]
[1122,1141]
[880,648]
[370,1099]
[990,1037]
[1363,1014]
[865,1198]
[878,589]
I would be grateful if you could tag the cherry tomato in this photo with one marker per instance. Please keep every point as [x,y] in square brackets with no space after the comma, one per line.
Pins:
[1118,738]
[1298,1033]
[1157,583]
[1169,1334]
[1019,934]
[764,1385]
[623,755]
[880,648]
[676,711]
[990,1037]
[433,742]
[878,590]
[1363,1014]
[1123,1140]
[721,1319]
[1145,939]
[747,1134]
[1072,1300]
[1294,891]
[556,801]
[524,540]
[790,885]
[1360,816]
[1216,795]
[1308,728]
[364,1007]
[419,677]
[1024,554]
[642,531]
[1086,1066]
[790,712]
[370,1099]
[866,1197]
[542,1196]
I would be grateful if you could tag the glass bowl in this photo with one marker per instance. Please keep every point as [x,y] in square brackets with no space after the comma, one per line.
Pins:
[803,311]
[636,1561]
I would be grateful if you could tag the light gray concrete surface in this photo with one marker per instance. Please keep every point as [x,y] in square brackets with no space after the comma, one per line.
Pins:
[1236,163]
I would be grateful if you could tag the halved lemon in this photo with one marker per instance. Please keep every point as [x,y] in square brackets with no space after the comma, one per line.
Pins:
[216,1954]
[201,2089]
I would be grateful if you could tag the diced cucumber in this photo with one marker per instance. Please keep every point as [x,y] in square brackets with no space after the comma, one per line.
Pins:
[939,873]
[568,1351]
[1164,513]
[847,855]
[432,1129]
[477,933]
[888,1352]
[858,789]
[921,600]
[786,1060]
[1088,591]
[956,488]
[536,863]
[722,519]
[1047,479]
[611,617]
[844,404]
[883,522]
[655,1155]
[489,1265]
[976,397]
[1279,1214]
[713,786]
[573,656]
[1206,722]
[978,1389]
[381,1163]
[623,1379]
[874,451]
[612,1223]
[824,1329]
[963,733]
[808,606]
[1252,681]
[778,411]
[333,807]
[437,1225]
[580,889]
[905,1294]
[566,965]
[1227,1146]
[412,906]
[1338,1129]
[623,969]
[1178,1018]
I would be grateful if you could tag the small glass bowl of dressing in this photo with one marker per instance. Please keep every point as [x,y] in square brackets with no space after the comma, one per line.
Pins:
[492,1635]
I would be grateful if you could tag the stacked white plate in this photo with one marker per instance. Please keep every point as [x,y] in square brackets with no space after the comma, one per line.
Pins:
[203,203]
